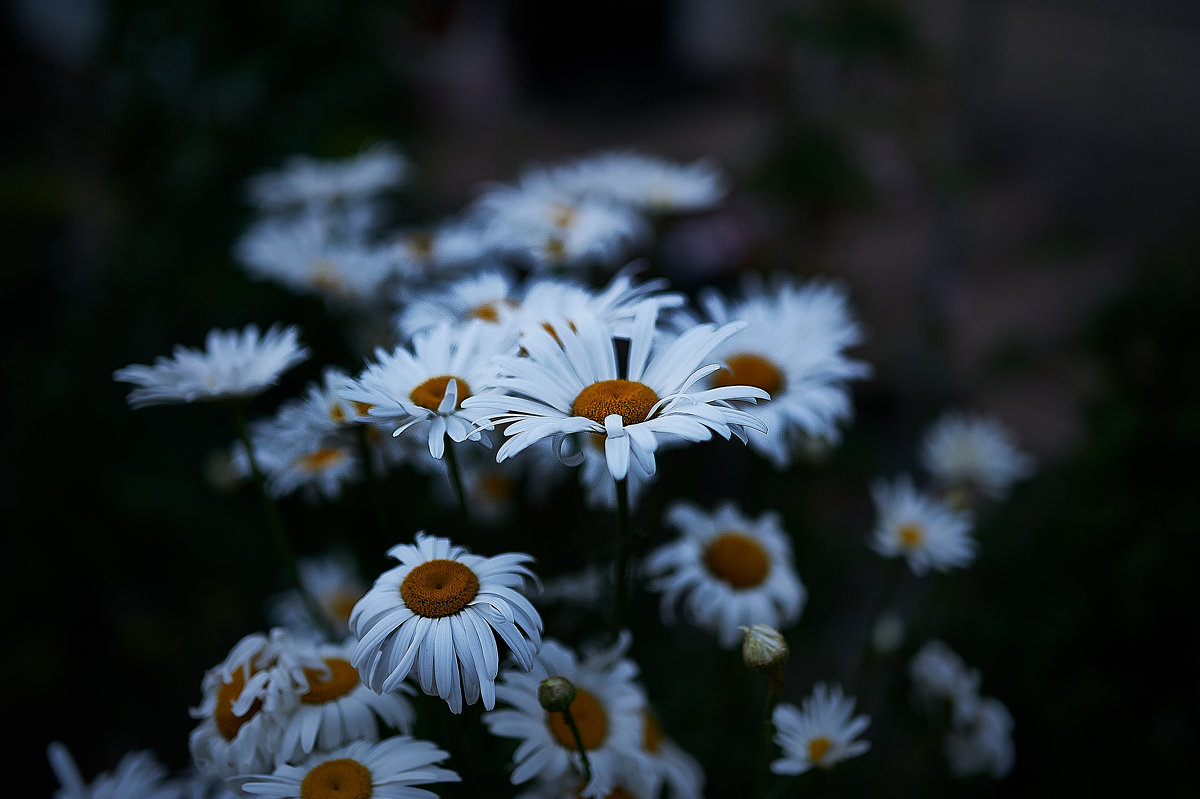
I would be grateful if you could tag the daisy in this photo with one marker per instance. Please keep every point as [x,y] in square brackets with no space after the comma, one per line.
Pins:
[670,766]
[607,710]
[386,769]
[138,774]
[729,571]
[569,383]
[973,454]
[428,384]
[232,365]
[926,532]
[449,246]
[820,734]
[333,582]
[646,182]
[435,614]
[320,183]
[793,347]
[940,678]
[335,707]
[488,295]
[294,455]
[982,744]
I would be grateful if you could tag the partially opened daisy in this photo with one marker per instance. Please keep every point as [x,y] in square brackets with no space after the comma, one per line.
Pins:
[569,382]
[821,733]
[233,364]
[729,571]
[138,775]
[607,710]
[793,347]
[428,383]
[925,531]
[973,455]
[437,615]
[387,769]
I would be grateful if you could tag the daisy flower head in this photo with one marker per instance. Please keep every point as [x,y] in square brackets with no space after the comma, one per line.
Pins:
[317,184]
[670,766]
[233,364]
[294,455]
[821,733]
[929,534]
[982,744]
[646,182]
[729,571]
[974,454]
[568,382]
[139,775]
[387,769]
[794,348]
[488,295]
[451,246]
[607,710]
[426,384]
[437,615]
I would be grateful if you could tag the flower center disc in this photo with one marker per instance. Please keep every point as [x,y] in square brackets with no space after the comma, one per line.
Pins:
[337,779]
[589,717]
[817,748]
[228,724]
[630,399]
[748,369]
[429,394]
[652,732]
[342,679]
[737,559]
[911,536]
[322,459]
[439,588]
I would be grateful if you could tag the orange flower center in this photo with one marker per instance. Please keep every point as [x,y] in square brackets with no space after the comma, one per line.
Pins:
[322,688]
[322,459]
[817,748]
[337,779]
[430,393]
[630,399]
[737,559]
[652,732]
[227,723]
[911,536]
[748,369]
[590,719]
[439,588]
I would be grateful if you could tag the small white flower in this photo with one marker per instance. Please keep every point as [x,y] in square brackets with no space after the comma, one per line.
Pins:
[729,571]
[293,455]
[821,734]
[489,294]
[940,679]
[437,614]
[232,364]
[138,775]
[982,744]
[320,183]
[926,532]
[387,769]
[647,182]
[975,453]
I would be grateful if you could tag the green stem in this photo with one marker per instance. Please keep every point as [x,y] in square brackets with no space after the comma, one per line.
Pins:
[621,558]
[766,736]
[867,658]
[587,766]
[381,514]
[456,480]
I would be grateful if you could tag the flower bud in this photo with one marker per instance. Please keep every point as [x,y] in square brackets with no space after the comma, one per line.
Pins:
[556,694]
[764,648]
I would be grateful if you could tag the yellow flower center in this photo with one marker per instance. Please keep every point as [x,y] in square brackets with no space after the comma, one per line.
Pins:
[322,688]
[590,719]
[737,559]
[652,732]
[630,399]
[564,215]
[749,369]
[430,393]
[337,414]
[337,779]
[341,604]
[439,588]
[322,459]
[911,536]
[227,723]
[362,408]
[817,747]
[556,249]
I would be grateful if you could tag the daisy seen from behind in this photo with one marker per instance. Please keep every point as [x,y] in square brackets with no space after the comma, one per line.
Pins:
[387,769]
[819,734]
[607,710]
[569,382]
[973,456]
[926,532]
[436,616]
[729,571]
[233,364]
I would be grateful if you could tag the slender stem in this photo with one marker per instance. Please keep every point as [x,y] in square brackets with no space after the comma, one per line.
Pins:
[774,687]
[456,479]
[621,558]
[587,765]
[381,514]
[275,524]
[866,657]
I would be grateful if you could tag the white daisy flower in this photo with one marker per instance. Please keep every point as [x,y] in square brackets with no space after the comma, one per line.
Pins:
[320,183]
[670,766]
[926,532]
[435,614]
[569,383]
[729,571]
[606,709]
[489,295]
[973,453]
[820,734]
[335,707]
[232,364]
[982,744]
[294,455]
[940,679]
[650,183]
[335,585]
[793,347]
[427,384]
[138,775]
[451,245]
[387,769]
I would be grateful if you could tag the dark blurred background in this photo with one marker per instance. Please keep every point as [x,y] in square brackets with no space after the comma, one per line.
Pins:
[1009,190]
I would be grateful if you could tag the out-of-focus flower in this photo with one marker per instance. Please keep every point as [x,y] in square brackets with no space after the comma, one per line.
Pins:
[973,454]
[820,734]
[926,532]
